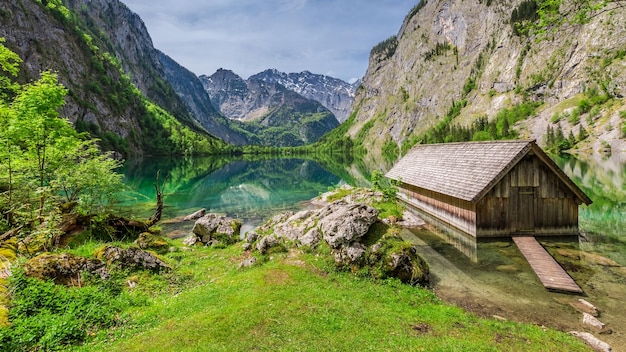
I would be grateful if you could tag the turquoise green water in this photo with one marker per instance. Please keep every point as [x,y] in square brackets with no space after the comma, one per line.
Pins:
[248,190]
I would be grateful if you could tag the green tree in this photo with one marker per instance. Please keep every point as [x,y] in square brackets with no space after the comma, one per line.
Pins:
[43,159]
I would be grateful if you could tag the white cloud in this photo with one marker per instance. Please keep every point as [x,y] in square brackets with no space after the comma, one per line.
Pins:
[246,36]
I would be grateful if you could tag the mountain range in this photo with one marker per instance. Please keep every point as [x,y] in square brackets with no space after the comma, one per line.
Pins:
[455,69]
[271,113]
[336,95]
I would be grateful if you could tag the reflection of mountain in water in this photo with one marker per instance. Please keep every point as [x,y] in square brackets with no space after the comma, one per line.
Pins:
[245,195]
[237,187]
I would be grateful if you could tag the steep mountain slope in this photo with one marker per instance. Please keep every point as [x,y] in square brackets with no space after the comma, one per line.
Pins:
[102,51]
[453,62]
[189,88]
[273,114]
[335,94]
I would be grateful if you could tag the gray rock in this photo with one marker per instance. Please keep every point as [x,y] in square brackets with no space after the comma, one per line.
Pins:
[266,243]
[343,223]
[408,266]
[312,238]
[585,307]
[246,246]
[64,268]
[197,215]
[191,240]
[133,258]
[350,254]
[592,341]
[214,227]
[247,263]
[410,220]
[251,236]
[593,322]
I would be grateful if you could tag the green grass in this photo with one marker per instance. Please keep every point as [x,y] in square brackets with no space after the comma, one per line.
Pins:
[294,303]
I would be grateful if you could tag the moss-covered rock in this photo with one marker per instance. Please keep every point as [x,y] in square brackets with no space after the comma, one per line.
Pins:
[158,244]
[64,268]
[132,258]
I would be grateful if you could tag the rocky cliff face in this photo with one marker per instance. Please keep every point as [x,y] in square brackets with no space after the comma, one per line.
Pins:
[273,114]
[467,53]
[335,94]
[189,88]
[46,42]
[123,33]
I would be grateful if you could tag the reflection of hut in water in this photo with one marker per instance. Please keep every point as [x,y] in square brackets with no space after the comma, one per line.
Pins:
[490,189]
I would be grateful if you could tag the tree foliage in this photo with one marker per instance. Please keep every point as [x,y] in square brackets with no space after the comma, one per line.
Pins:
[43,160]
[551,14]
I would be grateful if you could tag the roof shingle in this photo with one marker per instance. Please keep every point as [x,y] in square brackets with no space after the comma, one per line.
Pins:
[460,170]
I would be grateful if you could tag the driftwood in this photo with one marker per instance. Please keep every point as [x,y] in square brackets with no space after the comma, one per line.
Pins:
[156,217]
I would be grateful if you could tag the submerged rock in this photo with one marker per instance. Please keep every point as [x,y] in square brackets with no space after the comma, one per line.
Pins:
[594,323]
[585,307]
[64,268]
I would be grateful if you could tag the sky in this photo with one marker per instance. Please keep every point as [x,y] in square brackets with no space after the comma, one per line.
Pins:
[330,37]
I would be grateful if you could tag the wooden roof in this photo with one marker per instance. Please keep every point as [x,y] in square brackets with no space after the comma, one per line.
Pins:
[469,170]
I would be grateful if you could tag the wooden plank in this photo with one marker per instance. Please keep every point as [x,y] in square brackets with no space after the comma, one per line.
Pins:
[550,273]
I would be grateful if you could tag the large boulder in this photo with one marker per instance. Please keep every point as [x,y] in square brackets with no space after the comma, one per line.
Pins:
[64,268]
[342,223]
[132,257]
[215,228]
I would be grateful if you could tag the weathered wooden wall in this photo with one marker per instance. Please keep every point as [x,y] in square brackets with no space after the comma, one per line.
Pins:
[454,211]
[530,199]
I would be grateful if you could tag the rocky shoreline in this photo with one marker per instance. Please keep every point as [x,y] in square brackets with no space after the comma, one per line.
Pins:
[358,239]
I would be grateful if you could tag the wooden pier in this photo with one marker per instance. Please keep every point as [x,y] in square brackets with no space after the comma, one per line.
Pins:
[550,273]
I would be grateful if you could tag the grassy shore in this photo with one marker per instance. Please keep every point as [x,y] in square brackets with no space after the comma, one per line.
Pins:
[296,302]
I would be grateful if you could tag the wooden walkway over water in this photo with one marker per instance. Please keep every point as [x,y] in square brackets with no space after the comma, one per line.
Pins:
[550,273]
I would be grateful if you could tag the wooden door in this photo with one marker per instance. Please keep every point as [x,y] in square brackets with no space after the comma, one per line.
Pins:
[526,209]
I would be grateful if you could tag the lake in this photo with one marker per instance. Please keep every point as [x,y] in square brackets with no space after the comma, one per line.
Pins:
[489,279]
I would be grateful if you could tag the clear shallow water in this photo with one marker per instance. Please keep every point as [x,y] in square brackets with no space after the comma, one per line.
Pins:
[490,278]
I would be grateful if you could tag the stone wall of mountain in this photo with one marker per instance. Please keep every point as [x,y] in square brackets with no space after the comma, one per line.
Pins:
[271,113]
[462,60]
[335,94]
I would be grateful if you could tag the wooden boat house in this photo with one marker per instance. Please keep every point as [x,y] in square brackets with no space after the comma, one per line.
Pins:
[490,189]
